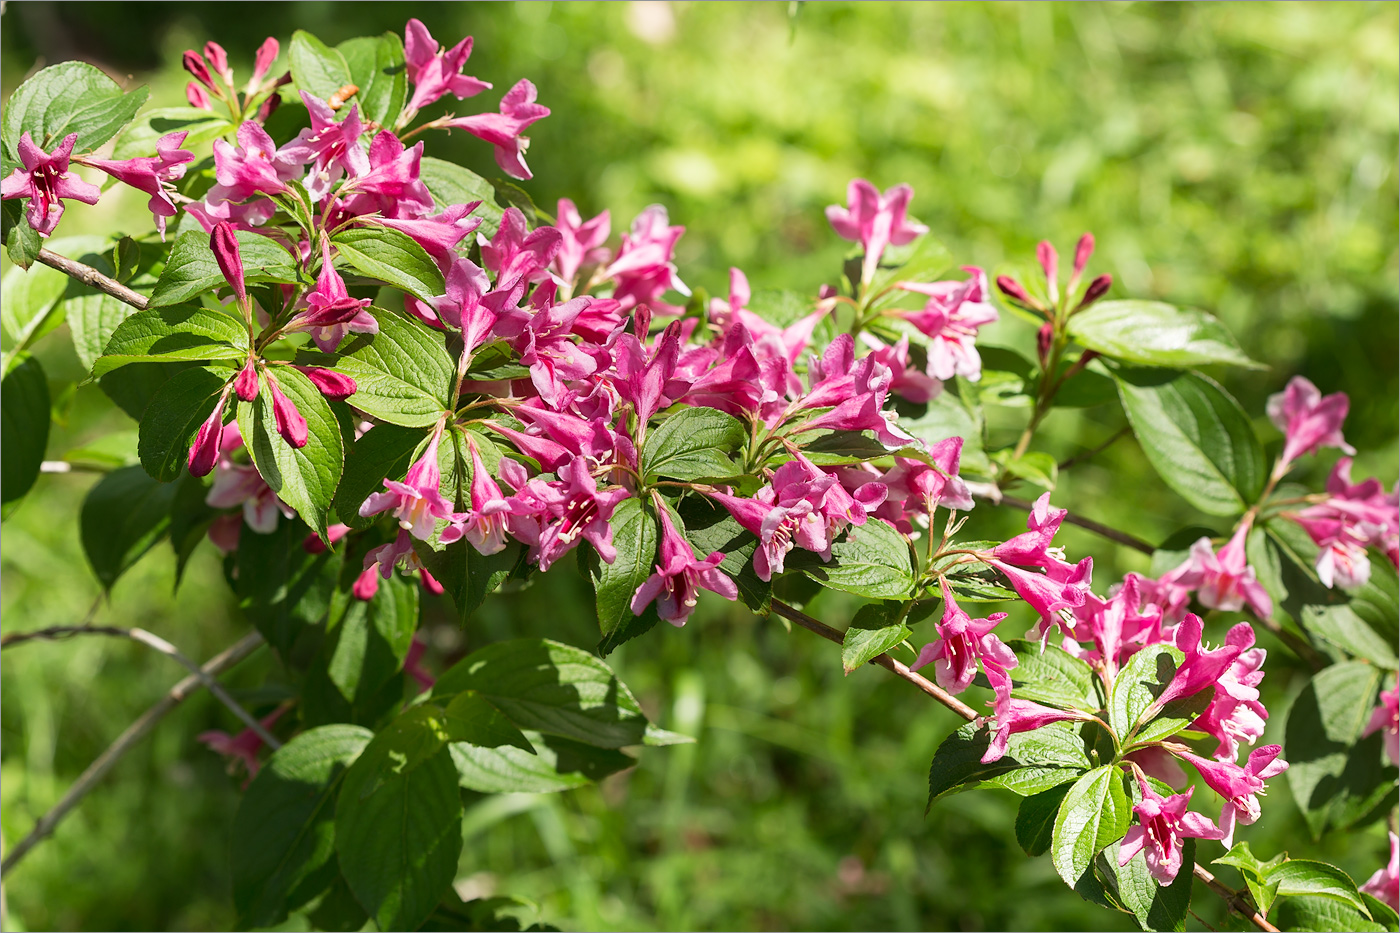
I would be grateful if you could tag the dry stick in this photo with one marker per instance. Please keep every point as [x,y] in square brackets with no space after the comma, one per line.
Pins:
[159,644]
[1111,534]
[133,734]
[962,709]
[90,276]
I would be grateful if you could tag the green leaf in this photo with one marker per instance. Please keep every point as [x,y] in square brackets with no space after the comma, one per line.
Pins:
[472,719]
[282,851]
[390,256]
[693,444]
[1035,819]
[316,67]
[1322,914]
[1052,675]
[781,307]
[133,387]
[872,632]
[1154,906]
[385,451]
[92,320]
[192,270]
[1153,333]
[1034,761]
[1254,873]
[23,242]
[305,478]
[30,298]
[1035,467]
[173,418]
[709,527]
[122,518]
[398,831]
[282,588]
[367,640]
[1304,877]
[550,687]
[635,537]
[71,97]
[1336,776]
[870,560]
[174,334]
[24,426]
[1196,437]
[946,416]
[834,448]
[558,764]
[376,66]
[1341,626]
[921,261]
[1093,816]
[1140,682]
[402,374]
[140,138]
[451,184]
[468,576]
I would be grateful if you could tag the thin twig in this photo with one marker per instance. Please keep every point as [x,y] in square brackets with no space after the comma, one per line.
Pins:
[151,641]
[133,734]
[1199,920]
[1081,457]
[884,660]
[1111,534]
[1235,900]
[90,276]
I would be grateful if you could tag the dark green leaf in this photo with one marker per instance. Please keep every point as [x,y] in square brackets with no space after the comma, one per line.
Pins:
[173,418]
[123,517]
[1304,877]
[1093,816]
[709,527]
[472,719]
[1322,914]
[385,451]
[1035,819]
[391,256]
[1034,761]
[174,334]
[1053,676]
[192,269]
[872,632]
[833,448]
[24,426]
[1196,437]
[1341,626]
[398,829]
[870,560]
[693,444]
[282,588]
[402,374]
[467,576]
[635,538]
[71,97]
[283,837]
[376,66]
[23,242]
[558,764]
[1153,333]
[367,640]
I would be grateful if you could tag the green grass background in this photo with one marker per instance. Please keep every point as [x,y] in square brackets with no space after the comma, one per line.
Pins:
[1238,157]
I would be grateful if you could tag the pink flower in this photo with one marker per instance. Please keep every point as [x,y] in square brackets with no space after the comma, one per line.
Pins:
[313,543]
[413,661]
[204,452]
[1202,667]
[963,641]
[439,234]
[950,319]
[1162,823]
[674,587]
[905,380]
[502,130]
[643,267]
[243,747]
[434,70]
[393,186]
[918,488]
[255,166]
[238,484]
[582,241]
[1386,719]
[1235,715]
[153,175]
[518,252]
[333,385]
[875,221]
[1309,421]
[197,96]
[262,61]
[1384,885]
[579,511]
[245,384]
[1013,716]
[330,311]
[1117,627]
[1350,519]
[1239,786]
[46,181]
[332,147]
[484,524]
[1032,548]
[1225,580]
[223,241]
[417,502]
[1048,595]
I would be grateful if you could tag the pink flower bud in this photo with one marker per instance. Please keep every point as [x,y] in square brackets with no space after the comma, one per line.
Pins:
[197,97]
[429,582]
[1043,338]
[641,321]
[218,58]
[1082,252]
[1096,290]
[194,64]
[204,452]
[1012,289]
[333,385]
[312,543]
[1049,261]
[267,54]
[366,584]
[290,423]
[224,242]
[245,384]
[268,108]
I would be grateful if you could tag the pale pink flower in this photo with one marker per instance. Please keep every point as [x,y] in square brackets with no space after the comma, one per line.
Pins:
[1309,420]
[153,175]
[582,243]
[950,319]
[1239,786]
[435,71]
[962,642]
[875,221]
[416,503]
[1386,720]
[502,130]
[1384,885]
[1225,580]
[238,484]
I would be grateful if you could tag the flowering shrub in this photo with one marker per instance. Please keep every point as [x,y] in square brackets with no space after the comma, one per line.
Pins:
[362,372]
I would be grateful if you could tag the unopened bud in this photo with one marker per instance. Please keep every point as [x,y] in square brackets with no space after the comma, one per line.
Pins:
[641,321]
[267,54]
[223,240]
[245,384]
[204,452]
[333,385]
[197,96]
[290,423]
[430,582]
[195,65]
[1012,289]
[1082,252]
[1049,262]
[1096,290]
[268,107]
[218,58]
[367,584]
[313,543]
[1043,339]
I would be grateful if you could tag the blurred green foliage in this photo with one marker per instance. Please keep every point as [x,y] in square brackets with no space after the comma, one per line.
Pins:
[1239,157]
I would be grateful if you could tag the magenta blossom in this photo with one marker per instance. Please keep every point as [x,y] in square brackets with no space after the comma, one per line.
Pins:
[962,642]
[436,71]
[875,221]
[582,241]
[204,452]
[1013,716]
[519,252]
[1162,823]
[950,319]
[1235,716]
[1308,419]
[1048,595]
[577,510]
[502,130]
[439,234]
[1384,885]
[643,267]
[332,147]
[484,524]
[1116,628]
[244,746]
[417,502]
[1239,786]
[330,311]
[46,181]
[256,166]
[153,175]
[675,586]
[1225,580]
[1202,667]
[393,186]
[1385,719]
[333,385]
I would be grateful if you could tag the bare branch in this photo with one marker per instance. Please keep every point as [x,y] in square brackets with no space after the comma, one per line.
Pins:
[1235,900]
[133,734]
[90,276]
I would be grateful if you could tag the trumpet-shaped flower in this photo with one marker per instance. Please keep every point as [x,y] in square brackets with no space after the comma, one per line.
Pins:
[962,642]
[502,130]
[46,182]
[417,502]
[875,221]
[1162,824]
[676,584]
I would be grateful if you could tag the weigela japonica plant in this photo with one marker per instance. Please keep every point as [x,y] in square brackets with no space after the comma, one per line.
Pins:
[364,373]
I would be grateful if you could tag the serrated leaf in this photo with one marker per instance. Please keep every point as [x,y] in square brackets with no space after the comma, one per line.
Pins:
[316,67]
[24,426]
[367,640]
[172,419]
[1322,914]
[70,97]
[376,66]
[92,320]
[1343,627]
[1034,761]
[635,537]
[1196,437]
[123,516]
[1093,816]
[872,632]
[403,374]
[1305,877]
[192,270]
[1155,907]
[282,851]
[1154,333]
[1139,683]
[451,184]
[870,560]
[557,765]
[392,257]
[1052,675]
[182,333]
[693,444]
